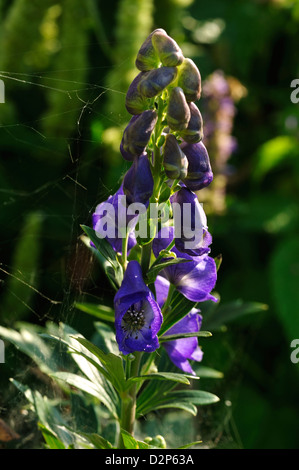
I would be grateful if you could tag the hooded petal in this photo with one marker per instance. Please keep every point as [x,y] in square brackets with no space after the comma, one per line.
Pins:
[113,212]
[182,350]
[190,223]
[195,279]
[138,316]
[138,181]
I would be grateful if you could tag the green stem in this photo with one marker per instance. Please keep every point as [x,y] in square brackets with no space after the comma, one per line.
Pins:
[125,249]
[128,403]
[146,257]
[168,300]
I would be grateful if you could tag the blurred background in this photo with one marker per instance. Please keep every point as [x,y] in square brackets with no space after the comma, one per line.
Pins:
[66,66]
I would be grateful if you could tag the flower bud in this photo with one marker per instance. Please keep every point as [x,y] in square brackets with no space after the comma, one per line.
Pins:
[136,103]
[154,81]
[137,134]
[190,80]
[174,160]
[199,173]
[138,181]
[167,49]
[194,131]
[147,57]
[178,111]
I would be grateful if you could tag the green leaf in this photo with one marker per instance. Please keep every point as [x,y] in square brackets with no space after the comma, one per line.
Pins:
[107,252]
[202,334]
[196,397]
[186,400]
[191,444]
[157,267]
[93,389]
[112,364]
[229,311]
[180,306]
[207,372]
[51,440]
[218,261]
[128,440]
[274,152]
[100,311]
[31,343]
[181,405]
[284,277]
[175,377]
[97,441]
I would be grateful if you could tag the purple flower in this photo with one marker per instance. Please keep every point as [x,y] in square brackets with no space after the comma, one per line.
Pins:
[200,172]
[190,222]
[110,221]
[138,316]
[182,350]
[138,182]
[137,134]
[194,279]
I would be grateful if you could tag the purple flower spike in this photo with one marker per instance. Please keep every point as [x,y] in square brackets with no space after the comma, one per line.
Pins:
[200,172]
[138,182]
[182,350]
[110,218]
[138,317]
[194,279]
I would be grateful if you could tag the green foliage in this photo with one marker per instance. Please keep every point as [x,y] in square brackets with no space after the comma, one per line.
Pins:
[21,282]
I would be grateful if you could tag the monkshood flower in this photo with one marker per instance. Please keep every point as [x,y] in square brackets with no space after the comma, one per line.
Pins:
[178,112]
[137,134]
[138,317]
[174,160]
[182,350]
[147,57]
[136,103]
[194,131]
[190,224]
[138,181]
[155,81]
[110,221]
[169,52]
[200,172]
[190,80]
[194,279]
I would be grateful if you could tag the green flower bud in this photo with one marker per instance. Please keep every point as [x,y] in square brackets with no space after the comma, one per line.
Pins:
[136,103]
[194,131]
[156,80]
[147,57]
[190,80]
[178,111]
[167,49]
[174,160]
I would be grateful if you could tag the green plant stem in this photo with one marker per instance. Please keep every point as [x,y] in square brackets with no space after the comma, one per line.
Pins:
[168,300]
[125,250]
[128,403]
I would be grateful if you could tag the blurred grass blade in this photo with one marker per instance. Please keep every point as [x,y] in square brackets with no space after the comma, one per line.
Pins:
[18,285]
